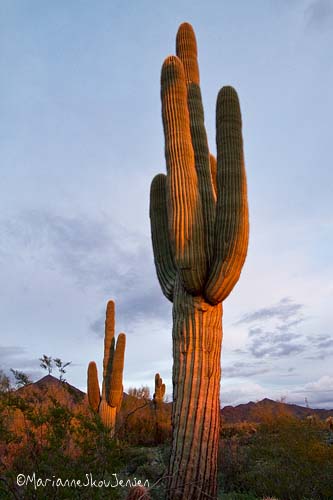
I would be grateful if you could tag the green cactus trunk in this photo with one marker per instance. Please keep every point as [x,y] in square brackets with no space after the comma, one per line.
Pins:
[197,337]
[199,225]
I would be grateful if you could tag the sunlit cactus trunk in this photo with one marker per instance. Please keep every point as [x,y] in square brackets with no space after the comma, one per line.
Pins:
[197,338]
[199,225]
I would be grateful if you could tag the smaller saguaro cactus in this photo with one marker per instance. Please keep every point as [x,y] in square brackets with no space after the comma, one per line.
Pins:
[158,400]
[108,403]
[159,389]
[329,422]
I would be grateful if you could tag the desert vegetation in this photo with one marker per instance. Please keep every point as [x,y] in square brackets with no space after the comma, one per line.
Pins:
[49,428]
[285,457]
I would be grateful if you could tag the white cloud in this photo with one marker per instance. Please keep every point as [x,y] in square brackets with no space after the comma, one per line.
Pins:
[236,394]
[318,393]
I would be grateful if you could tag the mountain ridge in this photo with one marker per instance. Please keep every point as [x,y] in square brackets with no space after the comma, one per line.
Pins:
[245,412]
[258,411]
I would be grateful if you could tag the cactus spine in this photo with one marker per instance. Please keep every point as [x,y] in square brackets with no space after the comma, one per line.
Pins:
[199,226]
[108,403]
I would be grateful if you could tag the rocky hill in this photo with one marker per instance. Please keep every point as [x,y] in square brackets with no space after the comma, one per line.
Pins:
[63,392]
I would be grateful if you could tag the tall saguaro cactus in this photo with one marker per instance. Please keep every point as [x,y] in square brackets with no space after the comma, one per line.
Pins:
[199,225]
[108,404]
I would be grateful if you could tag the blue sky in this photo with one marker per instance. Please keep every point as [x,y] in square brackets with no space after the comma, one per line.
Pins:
[80,140]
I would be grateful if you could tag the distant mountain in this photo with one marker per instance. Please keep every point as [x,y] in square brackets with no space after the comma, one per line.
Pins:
[257,412]
[63,392]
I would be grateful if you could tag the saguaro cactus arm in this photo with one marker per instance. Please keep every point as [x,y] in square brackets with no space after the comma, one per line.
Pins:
[183,200]
[186,50]
[163,255]
[231,222]
[116,384]
[94,396]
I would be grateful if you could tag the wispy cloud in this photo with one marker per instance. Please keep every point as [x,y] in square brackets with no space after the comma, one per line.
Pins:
[266,343]
[16,357]
[283,311]
[82,248]
[272,331]
[322,347]
[95,253]
[319,14]
[242,369]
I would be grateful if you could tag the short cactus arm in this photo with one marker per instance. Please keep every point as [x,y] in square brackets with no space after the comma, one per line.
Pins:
[186,50]
[164,261]
[94,396]
[116,382]
[231,222]
[183,199]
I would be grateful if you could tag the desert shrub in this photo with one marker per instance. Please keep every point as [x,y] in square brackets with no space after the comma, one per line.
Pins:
[56,437]
[232,456]
[54,441]
[241,430]
[286,458]
[141,423]
[149,463]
